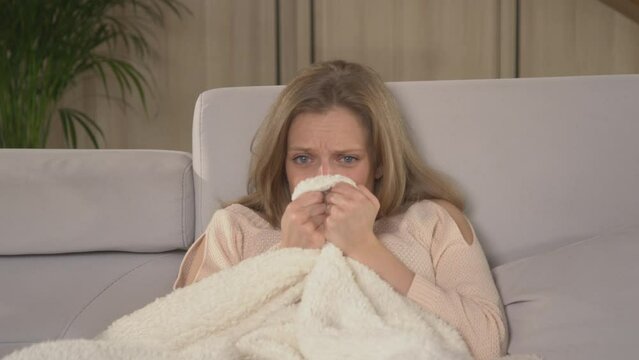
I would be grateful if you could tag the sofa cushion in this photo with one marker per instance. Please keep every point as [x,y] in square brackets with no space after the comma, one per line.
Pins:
[49,297]
[576,302]
[64,201]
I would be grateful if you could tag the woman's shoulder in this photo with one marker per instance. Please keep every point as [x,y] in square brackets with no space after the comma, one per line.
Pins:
[424,208]
[445,212]
[242,216]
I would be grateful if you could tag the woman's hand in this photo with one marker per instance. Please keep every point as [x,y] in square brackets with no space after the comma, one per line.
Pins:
[303,222]
[351,215]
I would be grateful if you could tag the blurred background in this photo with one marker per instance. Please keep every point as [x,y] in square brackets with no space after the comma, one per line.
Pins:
[224,43]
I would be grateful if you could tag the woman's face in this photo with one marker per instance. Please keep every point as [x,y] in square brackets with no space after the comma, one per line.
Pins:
[334,142]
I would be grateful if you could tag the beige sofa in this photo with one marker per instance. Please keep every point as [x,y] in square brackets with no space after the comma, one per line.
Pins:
[549,167]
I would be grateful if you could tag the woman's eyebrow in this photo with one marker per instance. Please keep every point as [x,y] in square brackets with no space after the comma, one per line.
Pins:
[344,151]
[299,148]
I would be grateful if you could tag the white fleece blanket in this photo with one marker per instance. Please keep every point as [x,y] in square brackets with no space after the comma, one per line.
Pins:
[285,304]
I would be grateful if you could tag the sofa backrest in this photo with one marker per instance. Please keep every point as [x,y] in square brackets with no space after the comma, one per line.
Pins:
[68,201]
[542,161]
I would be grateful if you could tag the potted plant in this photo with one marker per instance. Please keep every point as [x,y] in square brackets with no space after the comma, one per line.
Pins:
[46,45]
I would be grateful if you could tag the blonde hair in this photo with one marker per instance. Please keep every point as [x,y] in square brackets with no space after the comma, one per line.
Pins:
[405,179]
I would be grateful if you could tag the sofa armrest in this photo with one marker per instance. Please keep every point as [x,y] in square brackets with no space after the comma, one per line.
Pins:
[66,201]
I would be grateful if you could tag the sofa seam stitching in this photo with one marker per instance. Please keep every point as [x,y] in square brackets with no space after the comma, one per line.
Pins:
[186,168]
[66,329]
[199,189]
[189,167]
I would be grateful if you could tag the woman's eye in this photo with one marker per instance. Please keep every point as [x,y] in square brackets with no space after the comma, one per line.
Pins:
[301,159]
[349,159]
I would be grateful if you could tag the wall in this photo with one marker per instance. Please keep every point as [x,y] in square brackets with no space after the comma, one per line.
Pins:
[263,42]
[576,37]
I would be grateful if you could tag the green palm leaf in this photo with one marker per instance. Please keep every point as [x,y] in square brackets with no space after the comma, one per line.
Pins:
[45,46]
[69,118]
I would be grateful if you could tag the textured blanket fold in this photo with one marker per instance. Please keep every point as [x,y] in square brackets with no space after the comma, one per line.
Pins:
[285,304]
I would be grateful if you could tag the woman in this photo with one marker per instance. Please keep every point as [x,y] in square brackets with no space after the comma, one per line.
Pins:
[403,220]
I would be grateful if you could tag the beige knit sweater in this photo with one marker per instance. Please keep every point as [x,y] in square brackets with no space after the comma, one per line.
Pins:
[452,278]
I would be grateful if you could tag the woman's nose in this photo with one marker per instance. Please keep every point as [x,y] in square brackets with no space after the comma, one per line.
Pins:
[324,168]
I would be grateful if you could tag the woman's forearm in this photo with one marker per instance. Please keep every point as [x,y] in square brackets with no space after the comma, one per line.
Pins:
[376,256]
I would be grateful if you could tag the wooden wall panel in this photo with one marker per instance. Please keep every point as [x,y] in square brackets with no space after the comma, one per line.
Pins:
[234,42]
[295,37]
[412,39]
[576,37]
[630,8]
[223,43]
[507,39]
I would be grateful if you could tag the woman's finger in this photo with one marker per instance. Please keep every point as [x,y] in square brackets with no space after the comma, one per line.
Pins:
[304,214]
[369,195]
[344,197]
[318,221]
[316,209]
[309,198]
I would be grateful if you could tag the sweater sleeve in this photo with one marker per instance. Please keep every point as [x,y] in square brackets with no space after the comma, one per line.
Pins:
[463,293]
[219,247]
